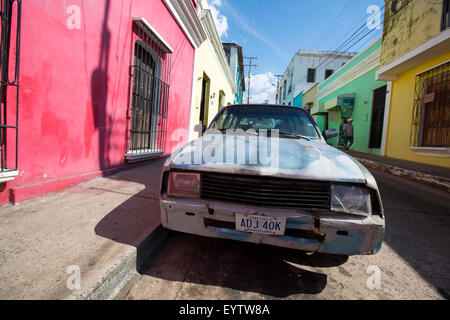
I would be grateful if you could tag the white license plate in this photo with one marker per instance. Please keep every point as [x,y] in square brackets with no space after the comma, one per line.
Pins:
[261,224]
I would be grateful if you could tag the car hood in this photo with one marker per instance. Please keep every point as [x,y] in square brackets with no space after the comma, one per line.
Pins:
[293,158]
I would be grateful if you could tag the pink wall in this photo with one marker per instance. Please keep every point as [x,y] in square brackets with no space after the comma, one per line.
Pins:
[74,88]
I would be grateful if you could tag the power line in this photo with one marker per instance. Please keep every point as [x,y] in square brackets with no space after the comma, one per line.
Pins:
[279,76]
[340,50]
[333,24]
[250,65]
[363,20]
[365,35]
[353,36]
[329,30]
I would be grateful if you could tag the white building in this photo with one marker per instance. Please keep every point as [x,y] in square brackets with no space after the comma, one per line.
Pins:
[305,69]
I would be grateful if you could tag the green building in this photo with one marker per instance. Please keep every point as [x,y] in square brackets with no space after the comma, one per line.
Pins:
[353,92]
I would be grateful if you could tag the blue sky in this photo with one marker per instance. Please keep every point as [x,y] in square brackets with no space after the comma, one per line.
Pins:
[274,31]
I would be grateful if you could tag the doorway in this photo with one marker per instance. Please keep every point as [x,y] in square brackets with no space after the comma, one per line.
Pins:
[145,102]
[204,104]
[376,126]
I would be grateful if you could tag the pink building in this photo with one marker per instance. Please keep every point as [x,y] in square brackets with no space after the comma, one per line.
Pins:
[101,84]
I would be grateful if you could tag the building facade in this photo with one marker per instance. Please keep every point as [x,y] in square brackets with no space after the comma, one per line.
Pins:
[309,98]
[106,84]
[306,69]
[298,100]
[214,85]
[235,59]
[353,92]
[416,59]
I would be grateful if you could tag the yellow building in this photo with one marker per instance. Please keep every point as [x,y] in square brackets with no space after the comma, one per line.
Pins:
[214,86]
[309,98]
[415,58]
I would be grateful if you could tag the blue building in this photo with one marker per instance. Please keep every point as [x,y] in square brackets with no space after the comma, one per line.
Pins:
[235,59]
[298,100]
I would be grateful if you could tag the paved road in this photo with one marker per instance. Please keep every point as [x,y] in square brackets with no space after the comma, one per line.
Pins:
[414,261]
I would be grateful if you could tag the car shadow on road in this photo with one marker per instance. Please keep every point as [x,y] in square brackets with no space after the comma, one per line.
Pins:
[417,227]
[271,271]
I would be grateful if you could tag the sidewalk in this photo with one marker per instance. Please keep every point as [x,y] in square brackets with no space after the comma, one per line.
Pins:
[435,176]
[104,227]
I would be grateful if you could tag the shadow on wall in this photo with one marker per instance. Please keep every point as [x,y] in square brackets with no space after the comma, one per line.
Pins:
[99,93]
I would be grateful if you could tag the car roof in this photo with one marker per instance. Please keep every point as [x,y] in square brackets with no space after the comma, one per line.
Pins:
[264,105]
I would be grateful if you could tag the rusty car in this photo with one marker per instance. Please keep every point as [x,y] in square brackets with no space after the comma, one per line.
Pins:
[265,174]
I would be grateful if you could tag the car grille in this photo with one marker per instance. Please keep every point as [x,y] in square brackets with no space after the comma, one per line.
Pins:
[265,191]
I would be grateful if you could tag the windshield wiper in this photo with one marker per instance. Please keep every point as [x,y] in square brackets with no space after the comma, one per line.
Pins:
[237,131]
[293,135]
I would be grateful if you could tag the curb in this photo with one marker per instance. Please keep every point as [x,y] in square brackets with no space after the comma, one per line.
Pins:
[424,178]
[129,266]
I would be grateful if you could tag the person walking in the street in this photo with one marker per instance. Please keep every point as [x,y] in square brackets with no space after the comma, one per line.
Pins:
[348,134]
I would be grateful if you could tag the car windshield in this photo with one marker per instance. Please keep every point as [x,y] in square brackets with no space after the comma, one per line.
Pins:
[289,121]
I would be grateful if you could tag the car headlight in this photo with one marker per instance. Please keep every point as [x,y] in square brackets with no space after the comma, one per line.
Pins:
[182,184]
[351,199]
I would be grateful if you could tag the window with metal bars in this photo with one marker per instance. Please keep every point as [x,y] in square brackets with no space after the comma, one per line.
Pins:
[9,89]
[311,76]
[149,95]
[431,112]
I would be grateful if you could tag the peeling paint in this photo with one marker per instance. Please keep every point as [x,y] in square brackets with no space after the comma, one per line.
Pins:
[408,28]
[365,234]
[315,161]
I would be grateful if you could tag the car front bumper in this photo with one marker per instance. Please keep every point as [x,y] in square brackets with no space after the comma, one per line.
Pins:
[325,232]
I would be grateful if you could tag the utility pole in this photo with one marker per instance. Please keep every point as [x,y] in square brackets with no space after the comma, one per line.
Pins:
[279,76]
[250,65]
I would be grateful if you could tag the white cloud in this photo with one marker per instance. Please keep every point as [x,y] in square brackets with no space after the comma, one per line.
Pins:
[262,87]
[220,20]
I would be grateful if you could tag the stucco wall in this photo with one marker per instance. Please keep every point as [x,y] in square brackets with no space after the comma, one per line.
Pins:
[357,77]
[411,26]
[208,63]
[362,113]
[298,100]
[400,116]
[310,96]
[74,86]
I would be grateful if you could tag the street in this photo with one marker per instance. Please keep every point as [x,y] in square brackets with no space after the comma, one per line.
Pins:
[413,261]
[190,138]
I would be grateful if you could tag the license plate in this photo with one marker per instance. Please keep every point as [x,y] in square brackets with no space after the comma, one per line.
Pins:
[261,224]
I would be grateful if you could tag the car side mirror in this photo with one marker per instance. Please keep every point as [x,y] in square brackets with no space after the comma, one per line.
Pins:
[330,134]
[200,128]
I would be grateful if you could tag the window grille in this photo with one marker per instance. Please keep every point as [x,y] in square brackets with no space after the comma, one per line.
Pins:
[9,89]
[431,110]
[150,83]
